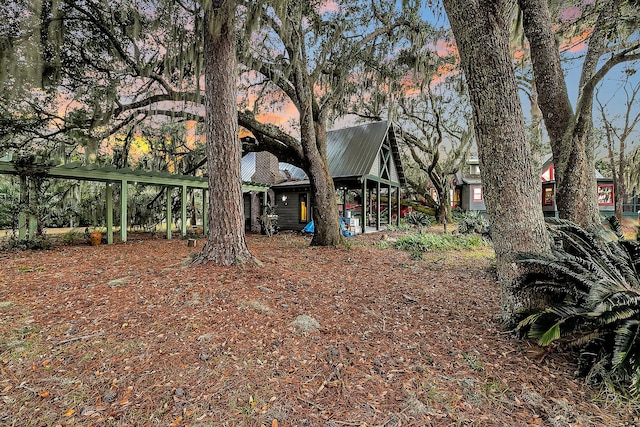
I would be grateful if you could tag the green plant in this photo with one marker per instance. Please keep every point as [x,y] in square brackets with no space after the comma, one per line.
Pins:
[472,222]
[35,243]
[592,287]
[404,226]
[418,243]
[71,237]
[419,219]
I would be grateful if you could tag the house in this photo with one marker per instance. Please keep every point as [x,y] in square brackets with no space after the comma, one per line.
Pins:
[367,172]
[467,189]
[606,193]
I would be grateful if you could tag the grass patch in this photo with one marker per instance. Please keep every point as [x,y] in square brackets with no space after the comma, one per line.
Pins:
[419,243]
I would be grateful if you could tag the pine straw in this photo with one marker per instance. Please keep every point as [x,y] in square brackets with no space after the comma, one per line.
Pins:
[131,334]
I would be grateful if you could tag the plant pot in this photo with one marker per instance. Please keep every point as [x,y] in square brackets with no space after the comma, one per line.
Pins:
[95,238]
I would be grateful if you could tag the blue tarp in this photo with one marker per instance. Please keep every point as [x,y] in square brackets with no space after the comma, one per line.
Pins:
[310,229]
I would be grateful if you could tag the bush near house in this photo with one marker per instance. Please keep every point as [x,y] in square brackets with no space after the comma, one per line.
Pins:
[593,288]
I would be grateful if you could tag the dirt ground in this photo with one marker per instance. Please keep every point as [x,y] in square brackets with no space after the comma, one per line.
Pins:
[363,335]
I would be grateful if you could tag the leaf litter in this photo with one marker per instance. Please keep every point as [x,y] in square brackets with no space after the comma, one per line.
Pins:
[362,335]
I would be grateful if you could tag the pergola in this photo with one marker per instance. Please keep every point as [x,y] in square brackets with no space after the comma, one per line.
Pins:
[122,177]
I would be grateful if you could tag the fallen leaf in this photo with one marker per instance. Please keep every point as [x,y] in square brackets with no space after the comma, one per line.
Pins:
[44,393]
[175,422]
[70,412]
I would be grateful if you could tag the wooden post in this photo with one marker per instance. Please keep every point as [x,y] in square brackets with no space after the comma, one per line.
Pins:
[183,212]
[364,206]
[390,202]
[123,210]
[169,206]
[378,205]
[22,215]
[399,206]
[205,213]
[33,219]
[109,196]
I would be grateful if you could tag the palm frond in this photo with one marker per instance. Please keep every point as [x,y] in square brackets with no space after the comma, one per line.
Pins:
[594,287]
[626,337]
[616,226]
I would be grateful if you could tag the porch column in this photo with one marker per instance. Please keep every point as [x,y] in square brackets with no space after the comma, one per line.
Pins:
[123,210]
[183,213]
[389,204]
[205,212]
[378,205]
[168,213]
[22,214]
[399,207]
[109,197]
[364,206]
[33,219]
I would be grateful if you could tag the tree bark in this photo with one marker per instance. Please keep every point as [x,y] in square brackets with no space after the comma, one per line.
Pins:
[511,187]
[226,243]
[570,134]
[325,209]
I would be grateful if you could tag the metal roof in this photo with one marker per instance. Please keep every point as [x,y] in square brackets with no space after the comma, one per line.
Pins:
[351,152]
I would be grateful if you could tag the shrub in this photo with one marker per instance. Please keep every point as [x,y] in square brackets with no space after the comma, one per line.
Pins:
[419,219]
[472,222]
[418,243]
[594,293]
[70,237]
[36,243]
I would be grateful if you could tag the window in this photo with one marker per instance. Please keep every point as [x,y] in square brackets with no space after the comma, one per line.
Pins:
[547,196]
[476,193]
[474,169]
[302,210]
[605,194]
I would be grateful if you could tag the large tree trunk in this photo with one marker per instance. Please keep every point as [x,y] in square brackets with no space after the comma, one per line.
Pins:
[570,135]
[226,243]
[511,186]
[325,209]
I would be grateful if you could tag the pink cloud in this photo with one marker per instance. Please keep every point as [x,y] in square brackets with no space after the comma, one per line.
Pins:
[328,6]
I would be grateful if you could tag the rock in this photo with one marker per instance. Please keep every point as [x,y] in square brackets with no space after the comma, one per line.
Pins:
[306,324]
[116,283]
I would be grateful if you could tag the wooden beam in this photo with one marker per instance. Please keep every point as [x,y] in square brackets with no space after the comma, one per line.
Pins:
[111,174]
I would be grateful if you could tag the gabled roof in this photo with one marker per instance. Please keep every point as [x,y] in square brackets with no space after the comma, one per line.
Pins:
[351,152]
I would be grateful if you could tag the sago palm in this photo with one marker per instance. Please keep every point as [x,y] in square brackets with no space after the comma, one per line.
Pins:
[592,286]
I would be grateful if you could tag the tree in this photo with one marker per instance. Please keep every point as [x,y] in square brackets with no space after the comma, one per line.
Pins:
[511,186]
[150,64]
[320,54]
[426,125]
[616,139]
[226,243]
[569,131]
[105,58]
